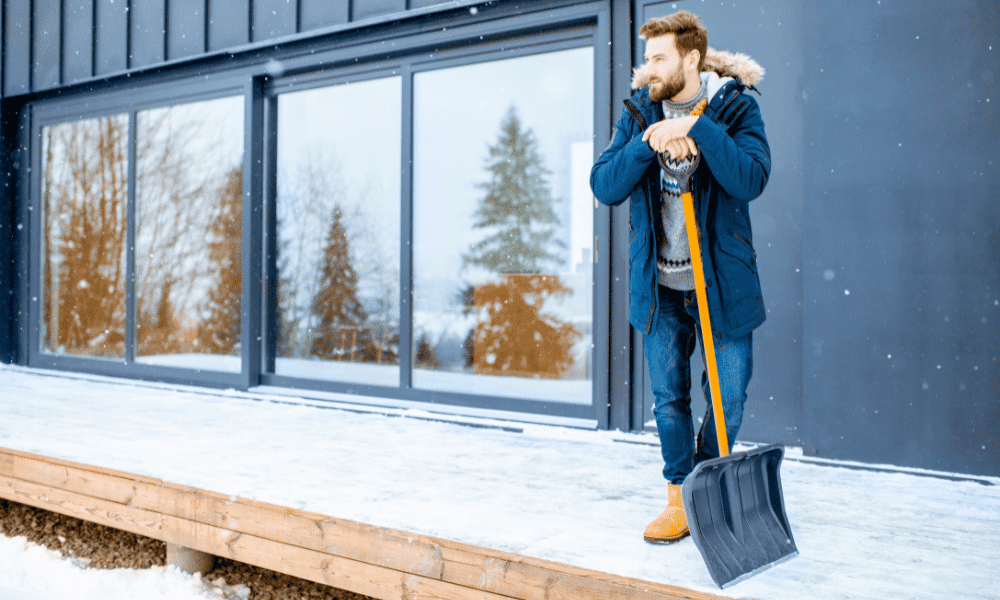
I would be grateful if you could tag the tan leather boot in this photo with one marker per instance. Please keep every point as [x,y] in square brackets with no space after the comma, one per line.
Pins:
[672,523]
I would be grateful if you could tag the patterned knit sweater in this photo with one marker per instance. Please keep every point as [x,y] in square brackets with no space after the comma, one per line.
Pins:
[674,255]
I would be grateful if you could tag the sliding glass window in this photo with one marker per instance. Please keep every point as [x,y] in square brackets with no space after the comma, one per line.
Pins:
[338,228]
[140,254]
[503,227]
[189,225]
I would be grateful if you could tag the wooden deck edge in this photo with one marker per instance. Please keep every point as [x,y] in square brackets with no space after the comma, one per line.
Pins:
[359,557]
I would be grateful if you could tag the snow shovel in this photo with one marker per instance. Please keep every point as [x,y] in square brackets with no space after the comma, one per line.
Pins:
[734,505]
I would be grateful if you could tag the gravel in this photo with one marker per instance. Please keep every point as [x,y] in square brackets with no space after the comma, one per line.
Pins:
[102,547]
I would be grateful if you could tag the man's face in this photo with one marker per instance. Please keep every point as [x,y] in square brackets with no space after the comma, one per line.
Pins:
[667,67]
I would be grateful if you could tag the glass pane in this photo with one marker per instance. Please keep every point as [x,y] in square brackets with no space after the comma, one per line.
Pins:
[338,232]
[188,243]
[85,192]
[503,227]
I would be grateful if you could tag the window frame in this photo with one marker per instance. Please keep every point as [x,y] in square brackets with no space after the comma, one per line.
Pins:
[406,66]
[128,103]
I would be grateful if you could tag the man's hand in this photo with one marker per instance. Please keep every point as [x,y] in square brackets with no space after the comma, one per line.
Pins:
[682,147]
[660,134]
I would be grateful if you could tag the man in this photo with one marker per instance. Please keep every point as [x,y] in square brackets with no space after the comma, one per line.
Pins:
[689,99]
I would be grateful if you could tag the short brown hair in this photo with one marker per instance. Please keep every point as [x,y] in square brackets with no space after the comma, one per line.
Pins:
[688,32]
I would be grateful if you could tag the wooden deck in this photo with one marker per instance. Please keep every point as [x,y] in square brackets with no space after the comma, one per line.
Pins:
[375,561]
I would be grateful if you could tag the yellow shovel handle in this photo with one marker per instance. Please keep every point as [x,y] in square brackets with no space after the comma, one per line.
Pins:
[706,326]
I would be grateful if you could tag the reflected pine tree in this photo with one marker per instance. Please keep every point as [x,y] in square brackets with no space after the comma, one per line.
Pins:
[336,306]
[306,200]
[425,356]
[512,336]
[188,230]
[516,206]
[335,286]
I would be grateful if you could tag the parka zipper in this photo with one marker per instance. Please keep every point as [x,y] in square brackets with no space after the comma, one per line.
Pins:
[649,207]
[641,122]
[743,239]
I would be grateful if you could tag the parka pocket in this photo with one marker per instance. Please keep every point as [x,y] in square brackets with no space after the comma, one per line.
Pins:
[739,282]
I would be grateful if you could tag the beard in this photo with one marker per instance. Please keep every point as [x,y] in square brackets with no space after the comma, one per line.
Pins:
[660,90]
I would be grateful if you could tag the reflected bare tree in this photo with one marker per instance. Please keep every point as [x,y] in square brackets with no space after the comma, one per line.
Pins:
[184,197]
[86,191]
[219,329]
[306,201]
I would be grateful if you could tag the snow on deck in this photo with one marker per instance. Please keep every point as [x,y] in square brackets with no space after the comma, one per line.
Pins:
[575,496]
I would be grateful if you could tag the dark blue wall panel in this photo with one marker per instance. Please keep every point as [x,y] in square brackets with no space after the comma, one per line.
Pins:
[274,18]
[185,28]
[47,44]
[148,32]
[2,20]
[17,47]
[78,40]
[314,14]
[228,23]
[362,9]
[111,36]
[902,273]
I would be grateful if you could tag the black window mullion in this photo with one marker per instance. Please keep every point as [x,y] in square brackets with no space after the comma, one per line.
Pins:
[406,234]
[251,302]
[131,225]
[269,287]
[30,150]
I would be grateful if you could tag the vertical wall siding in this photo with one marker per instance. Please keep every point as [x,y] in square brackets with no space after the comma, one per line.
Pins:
[363,9]
[185,28]
[423,3]
[148,42]
[46,42]
[78,40]
[51,43]
[314,14]
[228,23]
[111,36]
[17,47]
[274,18]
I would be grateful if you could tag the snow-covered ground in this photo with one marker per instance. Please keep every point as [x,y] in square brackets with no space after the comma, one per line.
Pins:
[570,495]
[31,572]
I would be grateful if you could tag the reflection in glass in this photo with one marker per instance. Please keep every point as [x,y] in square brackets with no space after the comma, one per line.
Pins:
[503,227]
[188,250]
[85,192]
[338,232]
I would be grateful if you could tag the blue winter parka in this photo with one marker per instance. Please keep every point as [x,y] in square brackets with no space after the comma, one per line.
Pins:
[734,168]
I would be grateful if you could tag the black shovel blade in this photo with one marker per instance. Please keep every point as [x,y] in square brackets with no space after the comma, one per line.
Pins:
[736,514]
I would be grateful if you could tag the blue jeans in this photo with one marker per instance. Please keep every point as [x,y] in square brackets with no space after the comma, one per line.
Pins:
[668,349]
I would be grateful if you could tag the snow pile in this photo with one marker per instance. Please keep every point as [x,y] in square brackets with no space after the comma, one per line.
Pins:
[31,572]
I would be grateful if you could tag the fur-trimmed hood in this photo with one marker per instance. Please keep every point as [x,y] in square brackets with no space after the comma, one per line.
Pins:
[725,64]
